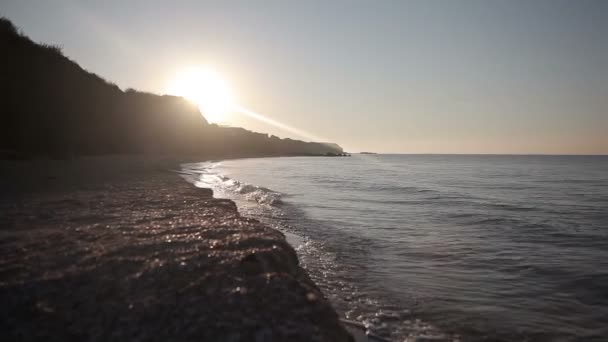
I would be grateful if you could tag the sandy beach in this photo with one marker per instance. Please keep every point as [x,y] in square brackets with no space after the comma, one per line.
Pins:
[122,248]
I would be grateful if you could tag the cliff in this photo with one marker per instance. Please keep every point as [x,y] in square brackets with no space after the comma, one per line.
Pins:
[52,106]
[239,142]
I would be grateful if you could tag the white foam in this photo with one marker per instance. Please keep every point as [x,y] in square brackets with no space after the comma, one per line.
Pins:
[204,175]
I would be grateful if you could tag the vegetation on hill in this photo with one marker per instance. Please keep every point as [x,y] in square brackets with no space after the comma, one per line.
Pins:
[51,106]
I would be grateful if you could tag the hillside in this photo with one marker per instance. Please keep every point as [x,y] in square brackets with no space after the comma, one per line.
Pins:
[50,106]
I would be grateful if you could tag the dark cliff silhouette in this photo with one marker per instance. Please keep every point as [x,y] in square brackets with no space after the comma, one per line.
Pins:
[51,106]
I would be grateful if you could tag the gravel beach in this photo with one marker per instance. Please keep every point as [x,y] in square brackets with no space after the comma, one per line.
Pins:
[122,248]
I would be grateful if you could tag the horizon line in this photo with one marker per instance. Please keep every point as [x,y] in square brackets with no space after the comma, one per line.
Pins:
[483,154]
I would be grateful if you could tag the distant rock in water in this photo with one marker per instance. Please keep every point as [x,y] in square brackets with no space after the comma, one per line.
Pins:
[53,107]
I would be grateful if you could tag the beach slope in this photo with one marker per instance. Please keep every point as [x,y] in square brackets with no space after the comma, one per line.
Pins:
[122,249]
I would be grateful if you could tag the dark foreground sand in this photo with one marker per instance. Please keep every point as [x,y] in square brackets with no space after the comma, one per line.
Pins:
[107,249]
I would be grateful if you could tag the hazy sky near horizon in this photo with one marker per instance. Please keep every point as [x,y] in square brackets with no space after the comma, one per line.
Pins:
[388,76]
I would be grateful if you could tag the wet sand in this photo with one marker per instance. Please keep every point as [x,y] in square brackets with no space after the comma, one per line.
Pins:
[121,248]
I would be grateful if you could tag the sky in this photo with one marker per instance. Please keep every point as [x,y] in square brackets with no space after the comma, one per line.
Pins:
[432,76]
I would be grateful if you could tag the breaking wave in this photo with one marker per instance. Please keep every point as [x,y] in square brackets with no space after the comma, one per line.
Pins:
[204,176]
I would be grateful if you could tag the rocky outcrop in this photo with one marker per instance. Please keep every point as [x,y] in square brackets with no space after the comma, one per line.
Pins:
[99,250]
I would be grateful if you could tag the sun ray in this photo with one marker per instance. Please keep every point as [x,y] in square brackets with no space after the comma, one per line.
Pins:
[214,97]
[206,88]
[275,123]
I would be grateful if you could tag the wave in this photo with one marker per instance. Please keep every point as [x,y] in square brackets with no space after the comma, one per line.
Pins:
[252,192]
[204,176]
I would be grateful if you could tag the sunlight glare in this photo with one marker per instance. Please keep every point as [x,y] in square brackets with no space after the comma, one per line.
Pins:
[207,89]
[280,125]
[211,93]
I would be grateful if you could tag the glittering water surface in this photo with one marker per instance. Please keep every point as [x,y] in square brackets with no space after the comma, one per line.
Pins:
[441,247]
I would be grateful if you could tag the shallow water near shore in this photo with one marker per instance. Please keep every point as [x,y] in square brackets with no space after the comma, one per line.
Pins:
[441,247]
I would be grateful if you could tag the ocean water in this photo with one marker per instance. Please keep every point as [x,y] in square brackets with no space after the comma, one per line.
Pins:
[441,247]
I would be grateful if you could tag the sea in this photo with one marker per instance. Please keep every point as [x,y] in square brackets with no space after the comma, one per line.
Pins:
[440,247]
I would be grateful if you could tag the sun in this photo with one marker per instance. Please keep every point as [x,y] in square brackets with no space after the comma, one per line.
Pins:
[206,88]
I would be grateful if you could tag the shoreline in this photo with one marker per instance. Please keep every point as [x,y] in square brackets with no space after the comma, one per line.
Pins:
[115,248]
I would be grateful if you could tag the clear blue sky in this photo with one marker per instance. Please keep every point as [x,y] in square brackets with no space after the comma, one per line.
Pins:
[388,76]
